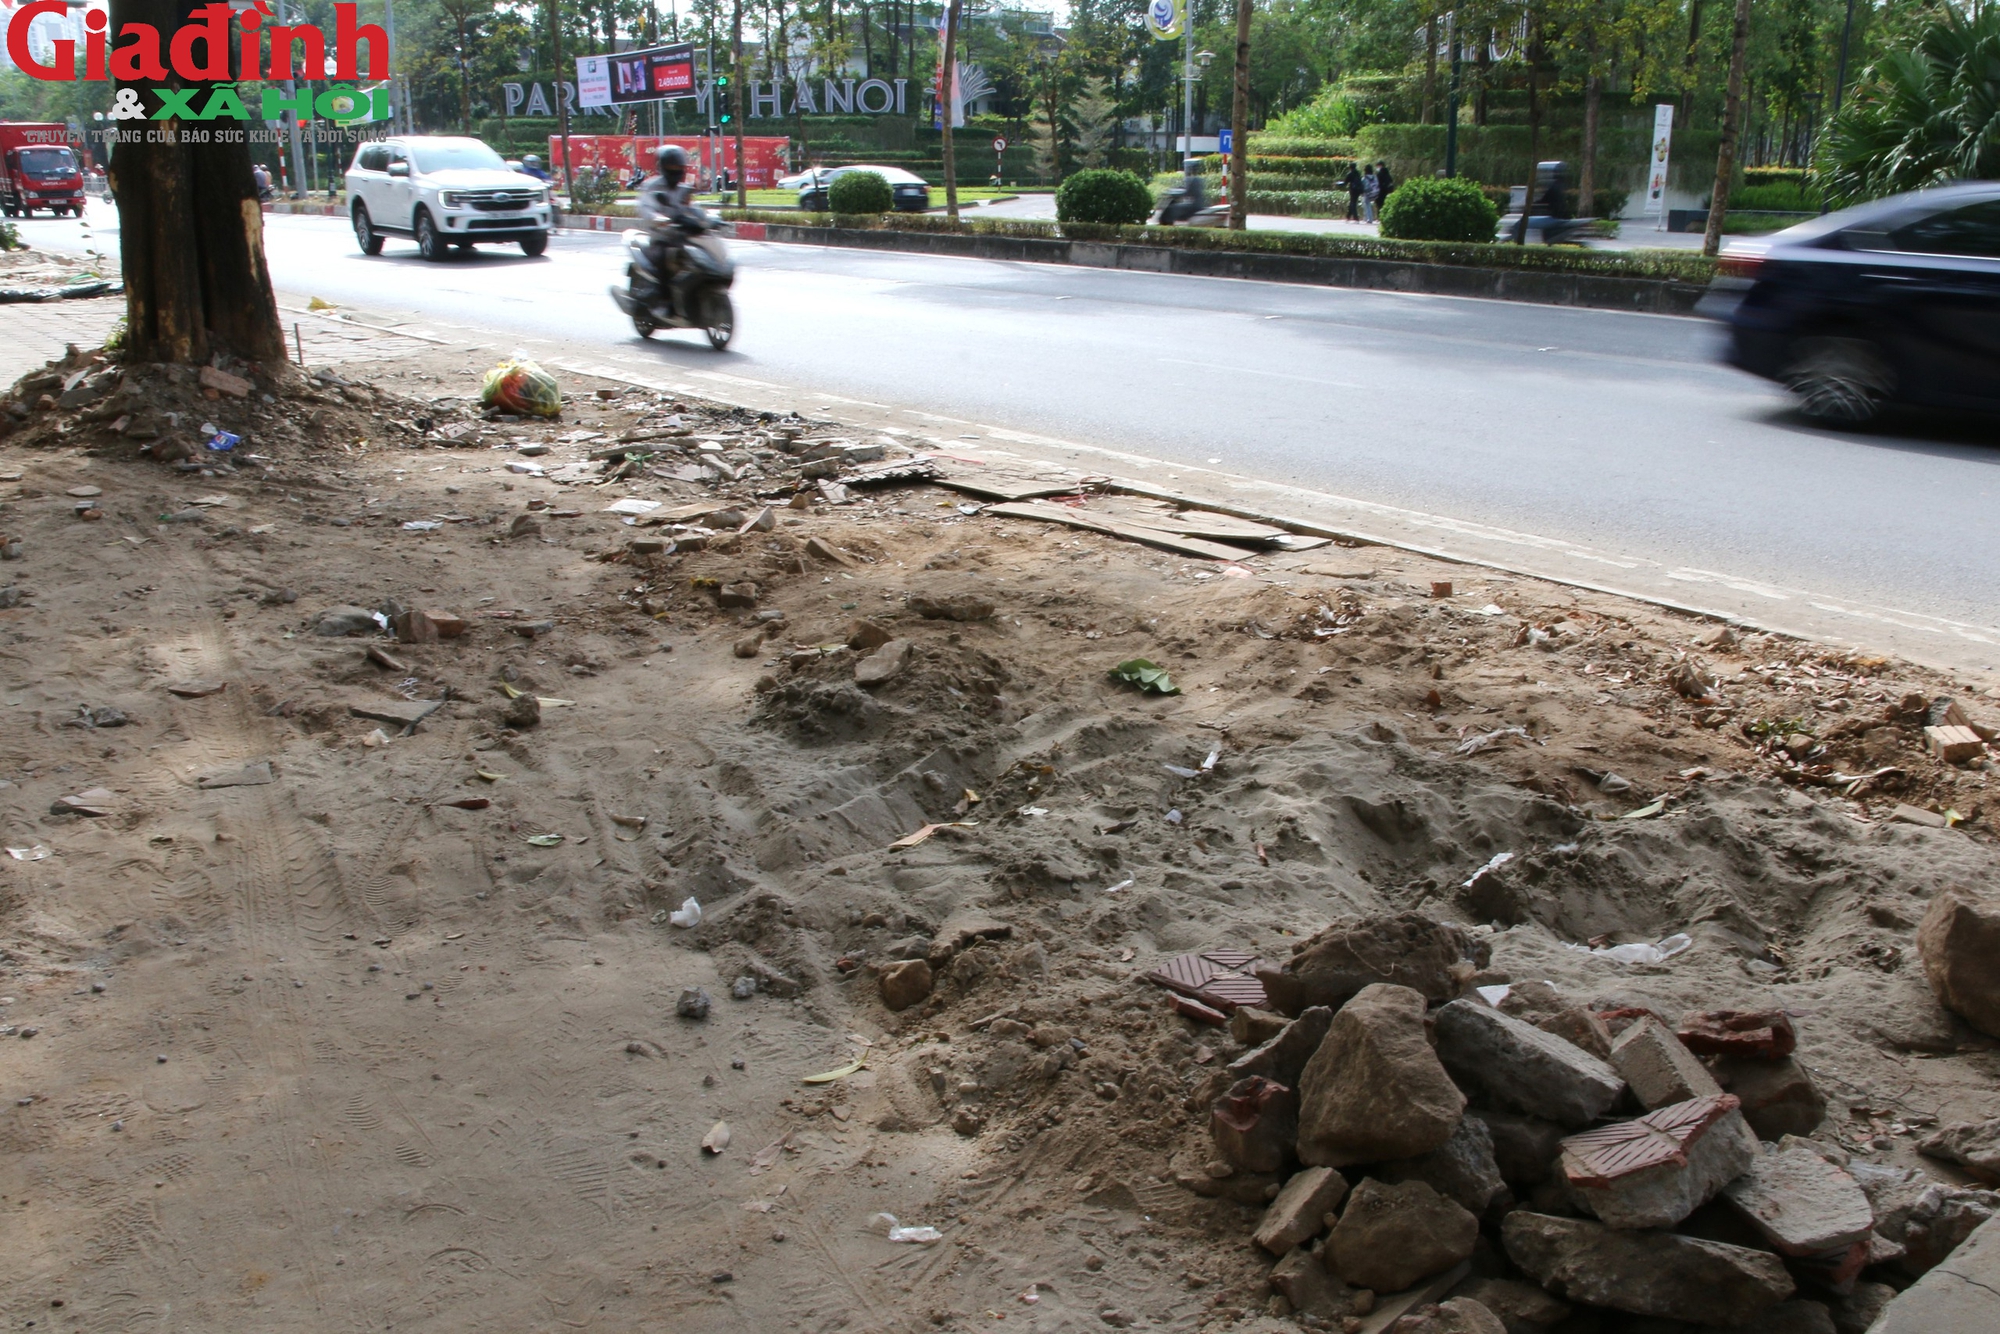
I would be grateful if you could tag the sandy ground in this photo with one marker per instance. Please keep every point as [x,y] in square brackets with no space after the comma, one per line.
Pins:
[332,1053]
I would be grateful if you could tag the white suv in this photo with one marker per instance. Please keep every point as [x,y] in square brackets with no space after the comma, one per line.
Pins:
[444,191]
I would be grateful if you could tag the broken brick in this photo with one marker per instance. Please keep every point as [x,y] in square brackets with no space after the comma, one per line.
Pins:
[1762,1033]
[1954,745]
[1655,1171]
[223,382]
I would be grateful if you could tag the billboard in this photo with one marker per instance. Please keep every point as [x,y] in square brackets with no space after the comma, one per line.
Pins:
[658,73]
[626,155]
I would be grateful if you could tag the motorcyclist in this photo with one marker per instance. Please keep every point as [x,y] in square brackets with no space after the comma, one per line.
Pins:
[1190,198]
[531,165]
[666,206]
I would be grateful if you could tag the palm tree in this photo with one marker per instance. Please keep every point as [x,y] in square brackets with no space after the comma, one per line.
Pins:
[1920,116]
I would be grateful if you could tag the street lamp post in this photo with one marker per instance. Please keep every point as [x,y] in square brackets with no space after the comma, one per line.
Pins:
[1187,92]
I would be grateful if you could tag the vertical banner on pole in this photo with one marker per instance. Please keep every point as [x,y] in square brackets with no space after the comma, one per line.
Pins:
[1656,171]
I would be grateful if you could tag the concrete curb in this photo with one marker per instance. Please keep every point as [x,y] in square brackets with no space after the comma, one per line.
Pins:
[1645,295]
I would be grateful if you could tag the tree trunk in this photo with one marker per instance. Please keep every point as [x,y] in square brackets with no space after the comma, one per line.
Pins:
[1732,114]
[1534,132]
[562,103]
[464,81]
[1430,69]
[1593,99]
[1239,125]
[947,81]
[191,234]
[1690,61]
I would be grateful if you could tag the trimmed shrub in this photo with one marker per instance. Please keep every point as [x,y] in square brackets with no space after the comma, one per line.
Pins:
[1780,196]
[860,192]
[1115,198]
[1433,209]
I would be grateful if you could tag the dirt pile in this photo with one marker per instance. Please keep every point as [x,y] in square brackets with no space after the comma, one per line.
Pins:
[409,948]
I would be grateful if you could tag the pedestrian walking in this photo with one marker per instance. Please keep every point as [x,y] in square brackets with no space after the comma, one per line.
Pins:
[1352,184]
[1384,183]
[1369,194]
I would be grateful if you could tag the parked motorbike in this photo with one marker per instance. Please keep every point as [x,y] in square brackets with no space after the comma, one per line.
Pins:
[693,295]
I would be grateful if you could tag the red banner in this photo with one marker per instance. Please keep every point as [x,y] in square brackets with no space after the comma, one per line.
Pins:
[627,154]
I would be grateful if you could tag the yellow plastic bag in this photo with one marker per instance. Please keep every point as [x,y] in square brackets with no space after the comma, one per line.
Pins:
[520,386]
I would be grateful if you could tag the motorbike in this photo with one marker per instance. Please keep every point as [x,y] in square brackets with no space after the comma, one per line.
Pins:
[694,296]
[1187,206]
[1547,222]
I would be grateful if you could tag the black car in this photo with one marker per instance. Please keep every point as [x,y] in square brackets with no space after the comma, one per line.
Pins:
[910,192]
[1893,302]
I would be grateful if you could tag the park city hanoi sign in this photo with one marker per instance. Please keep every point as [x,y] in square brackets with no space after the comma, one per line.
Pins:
[199,53]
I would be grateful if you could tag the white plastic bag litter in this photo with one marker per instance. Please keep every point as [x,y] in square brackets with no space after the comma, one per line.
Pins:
[688,914]
[887,1225]
[1659,953]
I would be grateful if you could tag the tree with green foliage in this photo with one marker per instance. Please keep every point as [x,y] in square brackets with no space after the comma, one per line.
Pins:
[1920,116]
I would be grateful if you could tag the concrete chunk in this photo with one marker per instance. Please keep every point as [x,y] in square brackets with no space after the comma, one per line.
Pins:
[1284,1057]
[1404,949]
[1959,941]
[1962,1293]
[1313,1289]
[1803,1204]
[1525,1148]
[1457,1315]
[1390,1237]
[1646,1273]
[1655,1171]
[1300,1210]
[1659,1067]
[1463,1168]
[1522,1068]
[1778,1097]
[1523,1308]
[1375,1089]
[1973,1145]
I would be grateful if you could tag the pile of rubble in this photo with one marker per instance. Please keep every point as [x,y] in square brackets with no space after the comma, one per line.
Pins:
[1500,1157]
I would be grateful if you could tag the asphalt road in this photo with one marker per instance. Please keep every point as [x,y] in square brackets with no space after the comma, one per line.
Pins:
[1594,430]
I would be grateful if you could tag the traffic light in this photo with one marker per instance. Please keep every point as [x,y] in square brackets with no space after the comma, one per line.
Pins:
[722,112]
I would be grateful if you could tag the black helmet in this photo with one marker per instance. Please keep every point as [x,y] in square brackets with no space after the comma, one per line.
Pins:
[673,162]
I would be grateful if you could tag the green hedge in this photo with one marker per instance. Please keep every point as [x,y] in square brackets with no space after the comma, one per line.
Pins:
[1664,265]
[1277,145]
[1298,203]
[1779,196]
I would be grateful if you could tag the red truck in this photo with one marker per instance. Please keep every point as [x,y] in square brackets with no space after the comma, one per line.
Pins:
[38,169]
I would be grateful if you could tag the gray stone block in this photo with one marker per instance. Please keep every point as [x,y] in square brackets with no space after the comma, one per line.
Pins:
[1522,1068]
